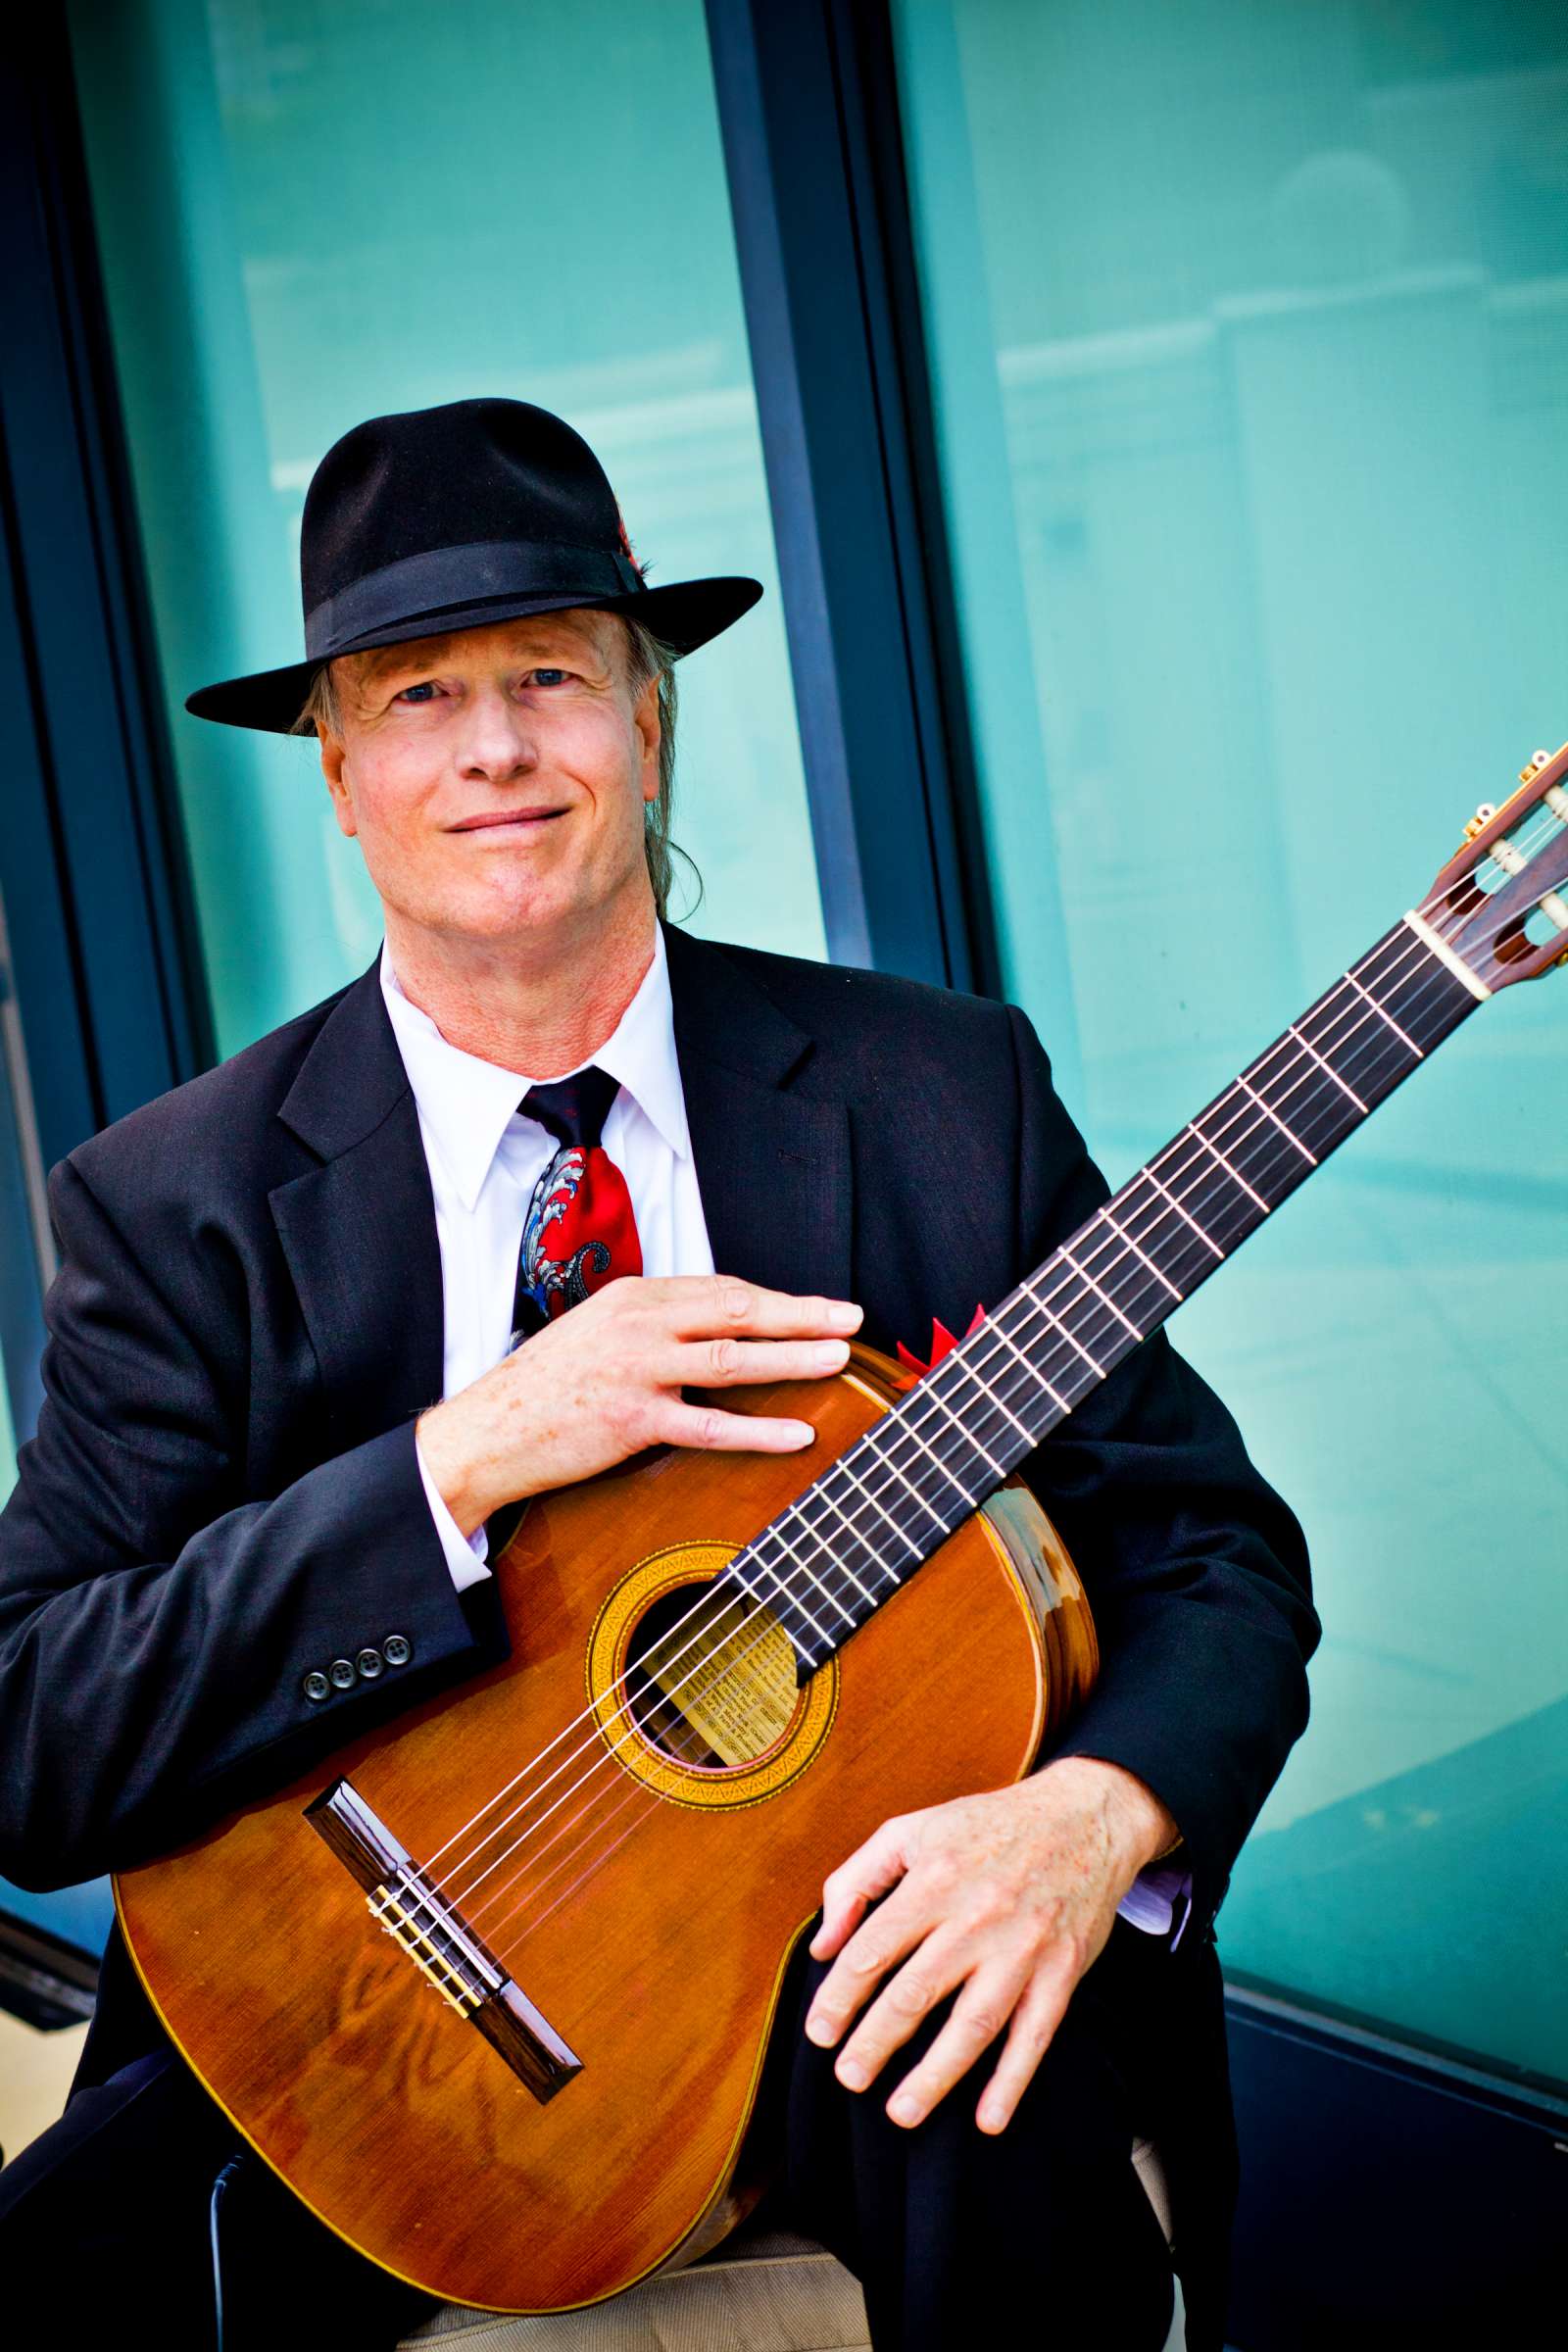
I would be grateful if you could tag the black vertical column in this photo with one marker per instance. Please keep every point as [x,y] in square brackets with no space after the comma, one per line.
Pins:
[809,116]
[102,992]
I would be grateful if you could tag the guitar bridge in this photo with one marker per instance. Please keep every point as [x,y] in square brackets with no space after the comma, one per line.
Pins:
[405,1901]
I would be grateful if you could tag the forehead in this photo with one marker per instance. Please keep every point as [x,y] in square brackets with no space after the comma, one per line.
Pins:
[536,637]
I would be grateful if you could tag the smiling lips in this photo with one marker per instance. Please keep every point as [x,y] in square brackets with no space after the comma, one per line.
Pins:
[507,817]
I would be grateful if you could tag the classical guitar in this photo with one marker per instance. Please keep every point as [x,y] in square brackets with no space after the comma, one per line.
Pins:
[491,1992]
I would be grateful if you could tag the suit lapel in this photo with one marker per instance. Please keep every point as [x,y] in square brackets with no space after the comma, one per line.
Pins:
[773,1164]
[358,1232]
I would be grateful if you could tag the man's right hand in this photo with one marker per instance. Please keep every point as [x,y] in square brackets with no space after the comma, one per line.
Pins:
[605,1381]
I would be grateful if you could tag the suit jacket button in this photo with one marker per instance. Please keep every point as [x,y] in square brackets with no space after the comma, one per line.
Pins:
[397,1649]
[341,1671]
[368,1664]
[315,1686]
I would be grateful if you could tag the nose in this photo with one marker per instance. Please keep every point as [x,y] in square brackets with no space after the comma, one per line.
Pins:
[498,739]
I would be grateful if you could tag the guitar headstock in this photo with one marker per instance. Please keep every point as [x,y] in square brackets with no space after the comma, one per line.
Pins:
[1501,903]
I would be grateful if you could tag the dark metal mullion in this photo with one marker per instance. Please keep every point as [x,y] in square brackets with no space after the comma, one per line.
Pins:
[896,334]
[185,1005]
[140,1016]
[810,231]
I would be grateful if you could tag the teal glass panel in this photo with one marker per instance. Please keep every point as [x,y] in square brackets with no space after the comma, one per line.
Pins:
[1249,342]
[315,210]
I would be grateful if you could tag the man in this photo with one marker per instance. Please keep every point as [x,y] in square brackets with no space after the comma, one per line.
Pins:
[283,1402]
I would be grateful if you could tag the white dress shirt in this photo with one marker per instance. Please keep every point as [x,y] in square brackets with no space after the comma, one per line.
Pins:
[485,1158]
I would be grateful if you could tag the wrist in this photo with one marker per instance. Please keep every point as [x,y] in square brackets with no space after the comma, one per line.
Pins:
[1143,1827]
[448,1464]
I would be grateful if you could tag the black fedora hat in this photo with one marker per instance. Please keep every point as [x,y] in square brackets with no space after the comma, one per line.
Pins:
[452,517]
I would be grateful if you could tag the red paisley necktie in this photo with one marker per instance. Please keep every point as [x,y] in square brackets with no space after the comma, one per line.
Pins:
[579,1232]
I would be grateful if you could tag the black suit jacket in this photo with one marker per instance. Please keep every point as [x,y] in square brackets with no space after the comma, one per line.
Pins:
[224,1494]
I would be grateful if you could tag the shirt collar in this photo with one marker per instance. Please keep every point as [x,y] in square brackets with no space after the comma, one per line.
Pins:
[465,1104]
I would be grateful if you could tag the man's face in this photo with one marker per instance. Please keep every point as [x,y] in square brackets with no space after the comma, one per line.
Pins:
[496,779]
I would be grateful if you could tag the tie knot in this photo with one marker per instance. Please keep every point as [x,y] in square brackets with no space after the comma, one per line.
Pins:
[573,1109]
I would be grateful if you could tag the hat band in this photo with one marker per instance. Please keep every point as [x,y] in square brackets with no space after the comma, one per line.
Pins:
[447,576]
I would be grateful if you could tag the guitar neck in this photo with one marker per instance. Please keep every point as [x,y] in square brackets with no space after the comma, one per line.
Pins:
[886,1504]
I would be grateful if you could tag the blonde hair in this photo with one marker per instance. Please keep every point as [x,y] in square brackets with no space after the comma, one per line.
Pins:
[647,656]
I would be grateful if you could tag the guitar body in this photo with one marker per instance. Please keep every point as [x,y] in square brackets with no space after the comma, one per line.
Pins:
[648,1919]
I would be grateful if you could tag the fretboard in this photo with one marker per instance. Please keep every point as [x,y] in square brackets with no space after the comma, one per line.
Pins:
[886,1504]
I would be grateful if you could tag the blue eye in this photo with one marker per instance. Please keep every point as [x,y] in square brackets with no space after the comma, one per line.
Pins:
[417,694]
[551,677]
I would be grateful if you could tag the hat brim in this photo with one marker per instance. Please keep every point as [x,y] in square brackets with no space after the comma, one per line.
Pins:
[685,615]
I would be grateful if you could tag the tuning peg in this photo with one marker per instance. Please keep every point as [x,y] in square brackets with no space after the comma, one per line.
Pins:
[1533,766]
[1480,822]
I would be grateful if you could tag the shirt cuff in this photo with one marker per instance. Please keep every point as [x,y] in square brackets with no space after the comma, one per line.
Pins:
[1158,1901]
[466,1556]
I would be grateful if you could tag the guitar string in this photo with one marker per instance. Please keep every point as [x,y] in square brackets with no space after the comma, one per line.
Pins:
[1460,920]
[1064,1283]
[532,1892]
[1371,1022]
[1111,1304]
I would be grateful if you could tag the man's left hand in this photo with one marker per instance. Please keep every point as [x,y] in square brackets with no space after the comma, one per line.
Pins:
[1006,1898]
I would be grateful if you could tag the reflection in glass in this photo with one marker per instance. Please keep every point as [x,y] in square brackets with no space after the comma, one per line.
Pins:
[1249,329]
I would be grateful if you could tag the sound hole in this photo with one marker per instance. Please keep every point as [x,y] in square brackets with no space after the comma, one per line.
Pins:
[710,1677]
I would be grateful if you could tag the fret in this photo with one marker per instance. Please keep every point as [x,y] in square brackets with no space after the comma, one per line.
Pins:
[930,1397]
[1365,1057]
[797,1525]
[996,1325]
[905,1424]
[1421,994]
[1084,1276]
[785,1603]
[1384,1014]
[1041,1309]
[1317,1114]
[1207,1240]
[834,1559]
[1269,1112]
[843,1464]
[1126,1238]
[846,1512]
[1328,1069]
[1234,1174]
[970,1372]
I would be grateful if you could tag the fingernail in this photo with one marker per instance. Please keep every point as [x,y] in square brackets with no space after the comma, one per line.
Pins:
[830,1353]
[843,1315]
[851,2073]
[803,1433]
[903,2110]
[819,2030]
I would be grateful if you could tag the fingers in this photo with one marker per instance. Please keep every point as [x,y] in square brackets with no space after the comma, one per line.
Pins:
[724,1362]
[874,1867]
[707,1428]
[719,1305]
[978,2015]
[1034,2023]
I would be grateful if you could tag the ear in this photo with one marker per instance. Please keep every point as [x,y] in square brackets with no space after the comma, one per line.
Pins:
[336,782]
[645,718]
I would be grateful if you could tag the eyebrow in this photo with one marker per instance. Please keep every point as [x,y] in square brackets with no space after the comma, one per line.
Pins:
[396,661]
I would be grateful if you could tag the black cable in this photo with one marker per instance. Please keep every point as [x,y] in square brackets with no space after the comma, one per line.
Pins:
[218,2185]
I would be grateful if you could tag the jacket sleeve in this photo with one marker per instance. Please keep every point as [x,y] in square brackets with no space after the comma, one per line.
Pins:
[164,1644]
[1196,1571]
